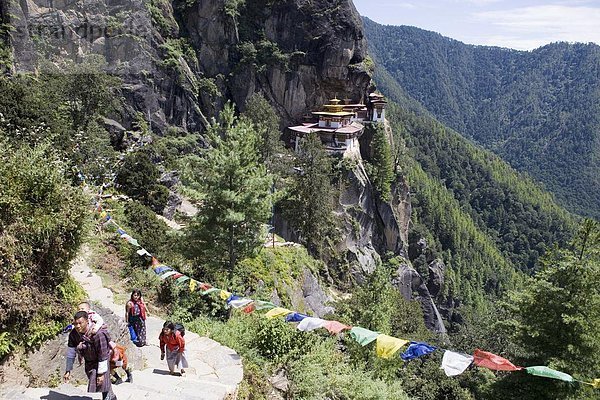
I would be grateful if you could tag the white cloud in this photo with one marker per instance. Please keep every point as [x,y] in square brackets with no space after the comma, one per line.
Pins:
[538,25]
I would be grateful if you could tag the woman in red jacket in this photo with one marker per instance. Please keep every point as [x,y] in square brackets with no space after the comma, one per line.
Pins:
[173,345]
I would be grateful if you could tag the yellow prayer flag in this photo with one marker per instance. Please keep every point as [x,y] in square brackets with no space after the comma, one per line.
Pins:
[193,285]
[224,294]
[387,346]
[277,312]
[596,383]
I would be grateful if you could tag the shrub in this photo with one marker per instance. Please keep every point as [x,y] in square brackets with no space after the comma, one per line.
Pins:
[41,228]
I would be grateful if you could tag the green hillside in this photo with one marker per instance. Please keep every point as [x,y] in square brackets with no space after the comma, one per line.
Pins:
[538,110]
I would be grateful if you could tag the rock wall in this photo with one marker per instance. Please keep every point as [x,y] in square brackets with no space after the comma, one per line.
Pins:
[320,44]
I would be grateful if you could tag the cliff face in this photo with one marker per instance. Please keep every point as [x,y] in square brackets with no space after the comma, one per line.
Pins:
[180,61]
[298,53]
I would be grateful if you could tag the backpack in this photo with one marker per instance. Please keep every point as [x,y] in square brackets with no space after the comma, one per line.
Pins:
[179,327]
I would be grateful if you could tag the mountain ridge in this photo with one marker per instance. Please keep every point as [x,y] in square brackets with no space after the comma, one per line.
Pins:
[536,109]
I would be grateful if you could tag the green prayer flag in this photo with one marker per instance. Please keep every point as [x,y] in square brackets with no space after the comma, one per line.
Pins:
[549,373]
[182,279]
[133,242]
[168,274]
[363,336]
[211,290]
[263,305]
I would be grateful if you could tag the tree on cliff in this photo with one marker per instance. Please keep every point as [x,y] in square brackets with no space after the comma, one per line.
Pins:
[309,205]
[383,168]
[236,199]
[266,122]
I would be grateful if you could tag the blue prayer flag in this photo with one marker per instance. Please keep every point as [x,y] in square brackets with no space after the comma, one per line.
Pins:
[162,269]
[417,349]
[295,317]
[232,297]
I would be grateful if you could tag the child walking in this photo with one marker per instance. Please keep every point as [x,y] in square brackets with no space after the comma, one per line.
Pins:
[172,344]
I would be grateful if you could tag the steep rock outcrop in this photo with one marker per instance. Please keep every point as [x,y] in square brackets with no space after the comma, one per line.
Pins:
[181,61]
[412,286]
[371,227]
[297,53]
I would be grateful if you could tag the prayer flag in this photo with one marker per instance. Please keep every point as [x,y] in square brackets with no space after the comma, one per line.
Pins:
[455,363]
[387,346]
[121,231]
[310,324]
[209,290]
[193,284]
[168,274]
[295,317]
[249,308]
[205,286]
[596,383]
[224,294]
[492,361]
[232,297]
[239,303]
[277,312]
[182,279]
[363,336]
[417,349]
[177,275]
[162,268]
[263,305]
[335,327]
[143,252]
[133,242]
[549,373]
[155,261]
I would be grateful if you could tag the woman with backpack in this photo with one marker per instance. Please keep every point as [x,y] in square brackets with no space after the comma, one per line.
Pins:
[172,344]
[135,315]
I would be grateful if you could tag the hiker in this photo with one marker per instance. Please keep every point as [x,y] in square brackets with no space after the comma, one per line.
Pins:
[93,317]
[135,315]
[95,350]
[119,360]
[172,344]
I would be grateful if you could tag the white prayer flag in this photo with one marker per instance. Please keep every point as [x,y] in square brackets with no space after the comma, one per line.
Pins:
[239,303]
[310,324]
[455,363]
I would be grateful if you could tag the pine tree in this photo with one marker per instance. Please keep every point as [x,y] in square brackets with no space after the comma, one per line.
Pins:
[266,122]
[309,206]
[557,317]
[382,161]
[236,196]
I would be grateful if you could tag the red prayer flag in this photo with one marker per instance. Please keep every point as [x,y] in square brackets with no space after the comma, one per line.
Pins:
[177,275]
[155,261]
[249,308]
[492,361]
[335,327]
[205,286]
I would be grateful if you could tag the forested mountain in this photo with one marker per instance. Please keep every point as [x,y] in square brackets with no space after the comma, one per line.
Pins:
[539,110]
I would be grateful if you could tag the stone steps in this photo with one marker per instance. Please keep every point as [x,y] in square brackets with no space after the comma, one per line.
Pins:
[214,374]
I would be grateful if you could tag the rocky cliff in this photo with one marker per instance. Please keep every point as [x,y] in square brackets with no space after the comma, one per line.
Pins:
[180,61]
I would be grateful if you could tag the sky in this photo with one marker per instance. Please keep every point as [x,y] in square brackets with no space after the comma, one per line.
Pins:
[517,24]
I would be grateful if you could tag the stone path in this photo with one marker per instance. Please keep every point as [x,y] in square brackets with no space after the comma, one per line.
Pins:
[215,370]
